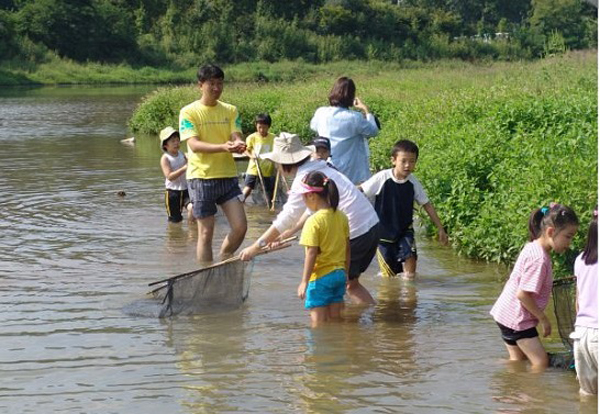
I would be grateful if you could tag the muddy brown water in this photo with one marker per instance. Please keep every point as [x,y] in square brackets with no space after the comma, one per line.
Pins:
[77,333]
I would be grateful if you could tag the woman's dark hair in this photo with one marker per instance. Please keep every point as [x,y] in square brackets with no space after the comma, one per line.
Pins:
[264,119]
[288,168]
[590,253]
[330,190]
[556,215]
[342,93]
[207,72]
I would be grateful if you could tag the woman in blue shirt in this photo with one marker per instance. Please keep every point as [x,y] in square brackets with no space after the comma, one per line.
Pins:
[347,130]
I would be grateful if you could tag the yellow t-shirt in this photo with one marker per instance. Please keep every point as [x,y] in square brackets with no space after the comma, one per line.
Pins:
[260,145]
[328,230]
[212,124]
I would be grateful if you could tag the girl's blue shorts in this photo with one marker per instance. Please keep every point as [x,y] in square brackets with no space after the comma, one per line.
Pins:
[326,290]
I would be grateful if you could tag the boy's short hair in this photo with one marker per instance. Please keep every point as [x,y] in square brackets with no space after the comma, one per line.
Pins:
[405,145]
[210,71]
[264,119]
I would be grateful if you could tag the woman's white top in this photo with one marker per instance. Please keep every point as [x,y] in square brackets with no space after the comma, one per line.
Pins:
[361,214]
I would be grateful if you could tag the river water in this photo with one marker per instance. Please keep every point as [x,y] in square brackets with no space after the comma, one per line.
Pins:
[76,258]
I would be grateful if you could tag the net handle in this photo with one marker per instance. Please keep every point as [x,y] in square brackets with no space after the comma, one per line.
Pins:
[283,244]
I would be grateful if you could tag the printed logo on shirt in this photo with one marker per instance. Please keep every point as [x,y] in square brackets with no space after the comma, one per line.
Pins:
[238,121]
[185,125]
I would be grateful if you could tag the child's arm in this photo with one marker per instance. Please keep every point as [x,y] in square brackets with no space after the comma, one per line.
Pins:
[528,302]
[309,264]
[443,237]
[168,172]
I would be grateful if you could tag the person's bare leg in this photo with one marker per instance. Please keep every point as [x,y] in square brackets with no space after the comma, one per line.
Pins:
[358,293]
[535,353]
[206,227]
[335,311]
[410,268]
[515,353]
[246,192]
[236,216]
[318,316]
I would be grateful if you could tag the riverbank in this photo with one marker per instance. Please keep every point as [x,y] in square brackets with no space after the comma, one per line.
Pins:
[497,141]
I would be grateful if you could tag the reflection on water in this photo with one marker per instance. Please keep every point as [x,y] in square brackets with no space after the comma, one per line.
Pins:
[79,334]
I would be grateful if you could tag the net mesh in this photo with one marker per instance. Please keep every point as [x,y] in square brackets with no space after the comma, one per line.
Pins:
[219,288]
[563,294]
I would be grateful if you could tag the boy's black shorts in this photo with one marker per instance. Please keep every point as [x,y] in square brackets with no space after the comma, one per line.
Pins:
[250,181]
[175,201]
[510,336]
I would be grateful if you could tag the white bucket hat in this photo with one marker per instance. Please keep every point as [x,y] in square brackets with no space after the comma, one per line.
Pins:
[288,149]
[165,134]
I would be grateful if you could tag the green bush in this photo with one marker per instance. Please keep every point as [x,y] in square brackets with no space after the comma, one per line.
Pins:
[496,141]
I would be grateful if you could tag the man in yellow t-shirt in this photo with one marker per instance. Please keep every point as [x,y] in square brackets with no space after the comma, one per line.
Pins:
[212,131]
[258,143]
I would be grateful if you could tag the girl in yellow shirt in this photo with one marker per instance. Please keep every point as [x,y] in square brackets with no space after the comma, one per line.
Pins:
[326,236]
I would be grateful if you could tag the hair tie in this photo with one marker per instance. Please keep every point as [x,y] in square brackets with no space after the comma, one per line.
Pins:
[552,205]
[595,213]
[544,210]
[325,181]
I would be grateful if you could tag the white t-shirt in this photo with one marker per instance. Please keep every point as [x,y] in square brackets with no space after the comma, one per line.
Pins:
[358,209]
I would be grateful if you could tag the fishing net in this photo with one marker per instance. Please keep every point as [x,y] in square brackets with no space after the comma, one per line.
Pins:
[219,288]
[563,295]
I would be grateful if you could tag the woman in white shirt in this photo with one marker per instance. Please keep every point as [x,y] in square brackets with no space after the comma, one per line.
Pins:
[295,160]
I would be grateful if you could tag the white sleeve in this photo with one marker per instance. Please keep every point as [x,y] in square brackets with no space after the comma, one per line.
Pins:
[292,210]
[372,186]
[420,195]
[314,122]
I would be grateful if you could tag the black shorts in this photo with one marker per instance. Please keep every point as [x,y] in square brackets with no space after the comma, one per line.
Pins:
[250,181]
[207,193]
[396,253]
[510,336]
[362,251]
[175,201]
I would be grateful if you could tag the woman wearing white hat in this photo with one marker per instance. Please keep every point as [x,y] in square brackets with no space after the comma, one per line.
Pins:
[295,160]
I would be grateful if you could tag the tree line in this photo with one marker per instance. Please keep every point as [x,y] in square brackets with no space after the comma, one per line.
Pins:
[180,33]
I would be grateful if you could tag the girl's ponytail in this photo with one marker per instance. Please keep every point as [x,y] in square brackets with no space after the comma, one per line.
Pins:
[332,193]
[590,254]
[555,215]
[535,224]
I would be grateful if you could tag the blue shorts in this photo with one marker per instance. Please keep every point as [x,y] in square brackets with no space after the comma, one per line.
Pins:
[397,252]
[206,194]
[326,290]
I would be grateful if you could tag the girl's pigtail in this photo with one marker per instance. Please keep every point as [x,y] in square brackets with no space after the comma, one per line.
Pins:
[590,253]
[535,223]
[333,194]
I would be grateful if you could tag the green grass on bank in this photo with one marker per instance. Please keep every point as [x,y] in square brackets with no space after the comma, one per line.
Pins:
[497,140]
[65,72]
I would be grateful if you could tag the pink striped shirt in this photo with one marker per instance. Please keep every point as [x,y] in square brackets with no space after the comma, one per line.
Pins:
[532,273]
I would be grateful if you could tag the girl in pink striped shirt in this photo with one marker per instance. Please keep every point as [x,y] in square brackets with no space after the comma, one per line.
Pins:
[521,304]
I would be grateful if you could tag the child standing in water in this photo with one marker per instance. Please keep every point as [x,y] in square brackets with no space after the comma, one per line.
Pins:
[521,304]
[586,325]
[326,236]
[174,165]
[259,143]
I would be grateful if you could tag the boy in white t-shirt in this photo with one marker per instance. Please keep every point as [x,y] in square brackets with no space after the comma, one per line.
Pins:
[174,165]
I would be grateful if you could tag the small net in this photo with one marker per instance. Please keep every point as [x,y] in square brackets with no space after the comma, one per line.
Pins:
[220,288]
[563,295]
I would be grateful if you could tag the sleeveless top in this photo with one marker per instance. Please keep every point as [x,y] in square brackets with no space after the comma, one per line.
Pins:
[176,163]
